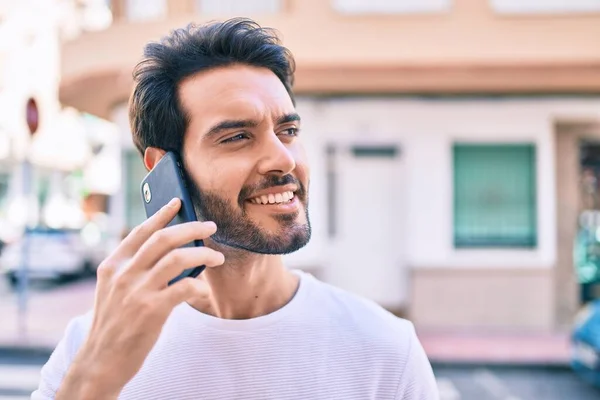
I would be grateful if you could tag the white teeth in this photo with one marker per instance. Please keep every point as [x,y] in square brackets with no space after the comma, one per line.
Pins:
[274,198]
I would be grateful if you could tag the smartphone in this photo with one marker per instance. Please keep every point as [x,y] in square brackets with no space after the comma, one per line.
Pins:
[164,182]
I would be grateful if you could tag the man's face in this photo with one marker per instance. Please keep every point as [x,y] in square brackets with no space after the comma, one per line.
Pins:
[244,159]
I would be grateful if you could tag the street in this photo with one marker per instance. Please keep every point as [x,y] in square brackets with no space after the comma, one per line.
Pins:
[51,306]
[19,376]
[511,383]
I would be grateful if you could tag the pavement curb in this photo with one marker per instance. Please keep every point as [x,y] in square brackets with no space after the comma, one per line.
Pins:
[499,365]
[25,352]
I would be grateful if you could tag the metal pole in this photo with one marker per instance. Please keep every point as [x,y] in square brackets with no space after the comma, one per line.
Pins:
[23,278]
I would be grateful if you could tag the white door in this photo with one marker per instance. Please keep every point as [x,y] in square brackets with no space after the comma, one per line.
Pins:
[368,234]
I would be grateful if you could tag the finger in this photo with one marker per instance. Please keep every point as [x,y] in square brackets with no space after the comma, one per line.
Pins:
[183,290]
[178,260]
[141,233]
[165,240]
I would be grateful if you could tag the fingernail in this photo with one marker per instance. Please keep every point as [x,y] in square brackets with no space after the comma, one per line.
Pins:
[211,224]
[173,202]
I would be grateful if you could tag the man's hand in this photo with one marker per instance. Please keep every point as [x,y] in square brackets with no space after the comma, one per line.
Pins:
[133,302]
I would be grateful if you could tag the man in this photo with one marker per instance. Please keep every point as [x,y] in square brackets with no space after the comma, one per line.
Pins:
[220,95]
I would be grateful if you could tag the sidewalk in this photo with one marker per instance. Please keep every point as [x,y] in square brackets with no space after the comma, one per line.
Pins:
[513,349]
[47,316]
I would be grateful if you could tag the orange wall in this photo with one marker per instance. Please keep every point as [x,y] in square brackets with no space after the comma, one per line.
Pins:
[469,34]
[469,49]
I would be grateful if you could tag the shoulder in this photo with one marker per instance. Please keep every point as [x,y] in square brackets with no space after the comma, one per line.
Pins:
[74,336]
[361,316]
[78,329]
[56,367]
[390,343]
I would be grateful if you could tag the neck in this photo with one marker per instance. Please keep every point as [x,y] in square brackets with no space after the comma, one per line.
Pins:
[247,286]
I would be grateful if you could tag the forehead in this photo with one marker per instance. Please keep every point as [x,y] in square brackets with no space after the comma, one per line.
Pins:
[237,92]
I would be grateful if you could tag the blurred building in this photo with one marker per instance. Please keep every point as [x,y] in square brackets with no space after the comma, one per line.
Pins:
[445,139]
[55,161]
[41,142]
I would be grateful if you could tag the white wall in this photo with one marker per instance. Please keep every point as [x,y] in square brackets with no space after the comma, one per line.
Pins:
[30,67]
[426,130]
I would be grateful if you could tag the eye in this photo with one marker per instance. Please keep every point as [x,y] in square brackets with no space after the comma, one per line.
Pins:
[291,131]
[236,138]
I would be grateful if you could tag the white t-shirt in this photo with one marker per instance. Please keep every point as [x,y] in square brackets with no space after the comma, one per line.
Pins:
[324,344]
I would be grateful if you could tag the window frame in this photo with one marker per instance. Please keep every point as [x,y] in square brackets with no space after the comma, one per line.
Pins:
[131,186]
[135,16]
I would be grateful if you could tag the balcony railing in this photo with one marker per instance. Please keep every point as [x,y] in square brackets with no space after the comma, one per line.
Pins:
[391,7]
[238,7]
[545,6]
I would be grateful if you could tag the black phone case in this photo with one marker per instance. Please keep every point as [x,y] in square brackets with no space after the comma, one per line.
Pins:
[165,182]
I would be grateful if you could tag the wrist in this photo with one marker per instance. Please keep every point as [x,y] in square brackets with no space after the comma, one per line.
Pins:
[84,387]
[86,381]
[89,390]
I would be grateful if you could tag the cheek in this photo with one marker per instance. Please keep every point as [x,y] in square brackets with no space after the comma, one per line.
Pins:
[224,178]
[302,167]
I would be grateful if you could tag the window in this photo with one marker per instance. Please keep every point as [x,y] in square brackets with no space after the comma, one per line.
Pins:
[95,16]
[238,7]
[494,196]
[135,171]
[544,6]
[390,7]
[146,10]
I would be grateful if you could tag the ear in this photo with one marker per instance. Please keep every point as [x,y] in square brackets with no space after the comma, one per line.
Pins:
[152,155]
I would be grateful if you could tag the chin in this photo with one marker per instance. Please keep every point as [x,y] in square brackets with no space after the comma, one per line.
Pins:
[295,242]
[271,244]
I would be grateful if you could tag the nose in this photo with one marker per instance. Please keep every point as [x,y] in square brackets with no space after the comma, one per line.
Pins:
[276,157]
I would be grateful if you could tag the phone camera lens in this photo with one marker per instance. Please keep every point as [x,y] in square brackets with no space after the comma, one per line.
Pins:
[147,193]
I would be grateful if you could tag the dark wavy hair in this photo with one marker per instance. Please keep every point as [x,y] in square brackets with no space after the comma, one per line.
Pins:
[156,116]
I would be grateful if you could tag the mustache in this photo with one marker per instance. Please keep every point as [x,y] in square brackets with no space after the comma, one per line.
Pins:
[271,181]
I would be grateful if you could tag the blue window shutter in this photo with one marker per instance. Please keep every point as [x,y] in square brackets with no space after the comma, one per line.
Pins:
[495,195]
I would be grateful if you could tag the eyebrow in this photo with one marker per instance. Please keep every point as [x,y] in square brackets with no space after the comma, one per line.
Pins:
[247,123]
[284,119]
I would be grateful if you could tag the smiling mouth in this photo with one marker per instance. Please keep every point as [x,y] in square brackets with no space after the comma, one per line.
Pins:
[274,198]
